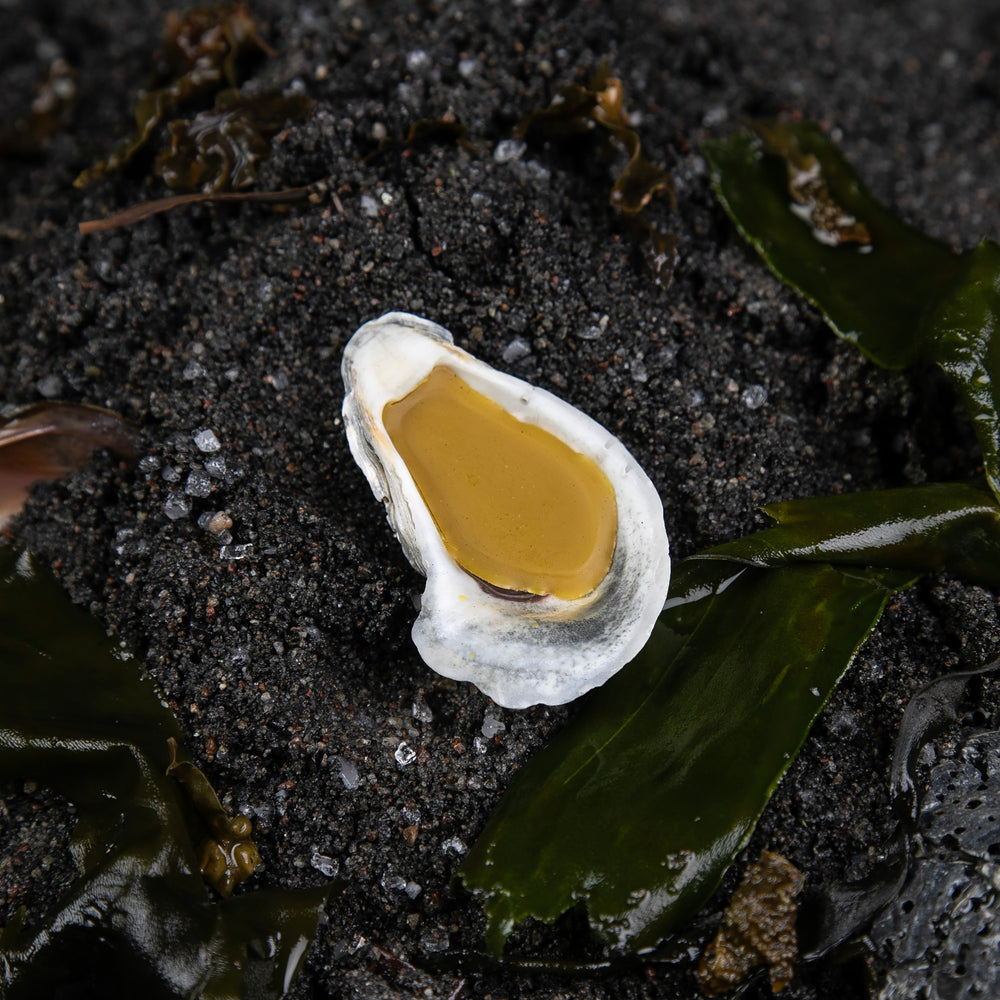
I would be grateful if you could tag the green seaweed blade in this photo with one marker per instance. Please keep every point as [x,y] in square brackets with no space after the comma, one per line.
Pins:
[873,295]
[79,716]
[640,805]
[934,527]
[964,340]
[898,295]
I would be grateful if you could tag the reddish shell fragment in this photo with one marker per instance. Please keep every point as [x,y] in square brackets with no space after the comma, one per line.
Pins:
[49,440]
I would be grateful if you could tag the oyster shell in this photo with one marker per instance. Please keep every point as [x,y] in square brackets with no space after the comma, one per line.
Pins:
[521,644]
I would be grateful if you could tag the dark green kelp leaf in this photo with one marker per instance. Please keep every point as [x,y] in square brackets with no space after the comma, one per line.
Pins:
[640,805]
[872,293]
[898,295]
[78,715]
[947,527]
[962,338]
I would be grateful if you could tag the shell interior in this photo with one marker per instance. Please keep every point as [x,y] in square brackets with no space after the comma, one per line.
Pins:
[548,649]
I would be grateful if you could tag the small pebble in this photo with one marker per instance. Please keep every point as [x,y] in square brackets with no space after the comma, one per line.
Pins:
[215,466]
[219,521]
[205,440]
[393,883]
[198,484]
[518,348]
[50,386]
[754,397]
[324,864]
[236,552]
[176,506]
[508,150]
[417,61]
[492,726]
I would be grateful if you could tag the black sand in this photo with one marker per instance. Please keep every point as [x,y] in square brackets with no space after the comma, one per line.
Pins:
[291,670]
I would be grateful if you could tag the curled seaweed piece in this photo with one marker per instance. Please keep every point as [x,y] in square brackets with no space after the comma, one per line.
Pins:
[758,928]
[220,149]
[199,58]
[49,440]
[226,854]
[641,179]
[599,108]
[832,914]
[929,713]
[52,105]
[212,37]
[576,111]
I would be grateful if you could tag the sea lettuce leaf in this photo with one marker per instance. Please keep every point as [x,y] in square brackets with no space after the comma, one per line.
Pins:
[934,527]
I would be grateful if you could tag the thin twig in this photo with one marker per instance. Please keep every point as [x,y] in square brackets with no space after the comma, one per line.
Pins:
[130,216]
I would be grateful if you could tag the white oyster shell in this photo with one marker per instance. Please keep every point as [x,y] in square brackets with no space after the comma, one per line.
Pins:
[520,653]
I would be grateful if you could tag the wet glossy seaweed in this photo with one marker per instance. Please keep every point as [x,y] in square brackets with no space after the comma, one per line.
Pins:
[201,58]
[82,717]
[640,805]
[898,295]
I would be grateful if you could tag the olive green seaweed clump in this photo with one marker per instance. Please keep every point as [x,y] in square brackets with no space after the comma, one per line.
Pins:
[758,928]
[639,806]
[901,297]
[82,717]
[219,148]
